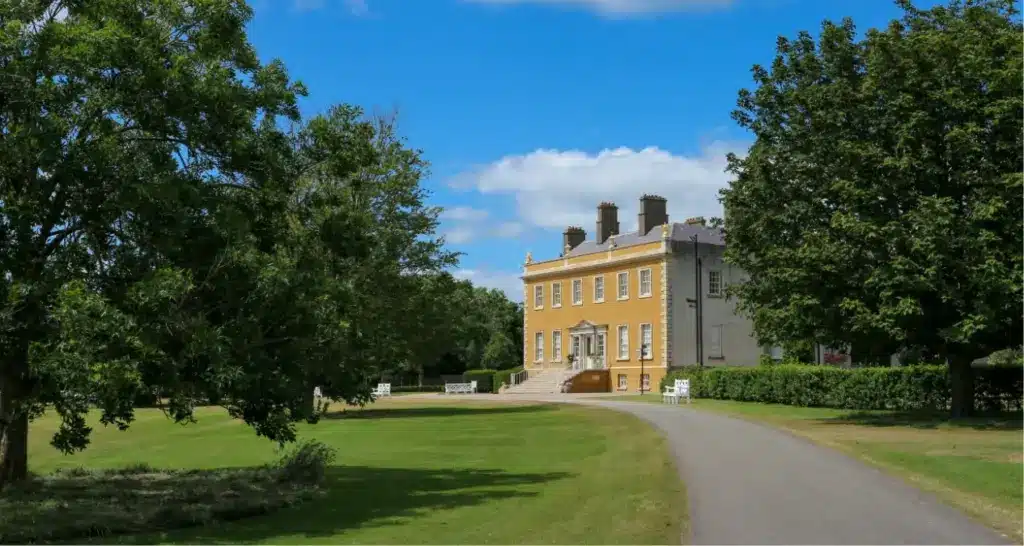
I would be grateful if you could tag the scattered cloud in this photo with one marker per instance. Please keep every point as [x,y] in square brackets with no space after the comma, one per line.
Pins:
[507,282]
[508,229]
[462,225]
[622,7]
[464,214]
[555,189]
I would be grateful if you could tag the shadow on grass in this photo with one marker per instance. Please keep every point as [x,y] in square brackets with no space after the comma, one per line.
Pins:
[434,411]
[929,420]
[359,497]
[80,504]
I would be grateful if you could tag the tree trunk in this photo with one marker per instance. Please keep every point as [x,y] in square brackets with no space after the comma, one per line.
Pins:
[13,421]
[961,376]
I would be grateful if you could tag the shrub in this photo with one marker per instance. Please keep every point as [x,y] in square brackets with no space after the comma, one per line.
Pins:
[997,388]
[417,388]
[306,463]
[484,379]
[504,377]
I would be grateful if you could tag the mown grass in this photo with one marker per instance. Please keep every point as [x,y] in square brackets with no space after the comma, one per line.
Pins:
[410,471]
[974,464]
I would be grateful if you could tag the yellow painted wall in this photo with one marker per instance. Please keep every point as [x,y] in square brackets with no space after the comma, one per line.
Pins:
[612,312]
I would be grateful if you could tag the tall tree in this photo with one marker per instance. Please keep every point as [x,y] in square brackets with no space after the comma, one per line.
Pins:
[880,205]
[121,125]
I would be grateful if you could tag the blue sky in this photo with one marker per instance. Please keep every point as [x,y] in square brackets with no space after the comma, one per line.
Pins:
[531,112]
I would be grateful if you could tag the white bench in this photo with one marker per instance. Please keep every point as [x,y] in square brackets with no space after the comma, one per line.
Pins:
[383,389]
[460,388]
[680,389]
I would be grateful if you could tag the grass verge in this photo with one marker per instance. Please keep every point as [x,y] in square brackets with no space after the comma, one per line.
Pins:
[413,471]
[78,503]
[973,464]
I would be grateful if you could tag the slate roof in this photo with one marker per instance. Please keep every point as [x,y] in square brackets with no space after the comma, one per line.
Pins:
[680,232]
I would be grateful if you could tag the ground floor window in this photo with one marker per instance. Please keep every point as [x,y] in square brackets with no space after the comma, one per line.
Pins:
[645,381]
[623,382]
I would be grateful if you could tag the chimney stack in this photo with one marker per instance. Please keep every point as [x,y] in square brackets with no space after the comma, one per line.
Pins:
[607,221]
[653,213]
[572,237]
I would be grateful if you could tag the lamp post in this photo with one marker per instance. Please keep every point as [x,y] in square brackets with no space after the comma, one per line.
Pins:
[642,350]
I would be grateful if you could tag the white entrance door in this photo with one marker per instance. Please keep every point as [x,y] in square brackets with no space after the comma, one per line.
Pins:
[588,362]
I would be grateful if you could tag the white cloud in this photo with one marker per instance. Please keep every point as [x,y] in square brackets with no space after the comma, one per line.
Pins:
[622,7]
[463,214]
[509,283]
[508,229]
[464,224]
[555,189]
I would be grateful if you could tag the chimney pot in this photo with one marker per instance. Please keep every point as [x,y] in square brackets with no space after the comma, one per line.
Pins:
[653,213]
[607,221]
[572,237]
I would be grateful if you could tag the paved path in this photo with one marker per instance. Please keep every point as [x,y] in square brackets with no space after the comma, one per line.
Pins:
[751,484]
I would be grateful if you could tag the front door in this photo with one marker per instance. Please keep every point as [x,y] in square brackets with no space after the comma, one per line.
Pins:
[588,362]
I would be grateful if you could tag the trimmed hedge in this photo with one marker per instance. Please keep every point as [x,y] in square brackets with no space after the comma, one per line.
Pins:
[504,377]
[414,388]
[484,379]
[997,388]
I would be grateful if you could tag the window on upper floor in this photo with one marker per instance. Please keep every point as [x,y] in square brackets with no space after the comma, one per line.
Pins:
[556,294]
[644,282]
[538,296]
[599,289]
[714,283]
[577,292]
[623,280]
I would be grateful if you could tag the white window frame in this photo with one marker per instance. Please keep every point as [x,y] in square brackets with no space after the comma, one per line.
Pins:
[640,282]
[538,346]
[645,382]
[556,346]
[649,353]
[576,346]
[623,382]
[718,331]
[619,284]
[575,283]
[713,291]
[556,295]
[599,299]
[601,347]
[538,296]
[623,347]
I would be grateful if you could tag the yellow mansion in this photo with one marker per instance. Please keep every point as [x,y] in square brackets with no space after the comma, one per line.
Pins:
[622,309]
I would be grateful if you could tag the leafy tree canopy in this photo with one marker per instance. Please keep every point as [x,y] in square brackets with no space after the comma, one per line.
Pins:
[880,205]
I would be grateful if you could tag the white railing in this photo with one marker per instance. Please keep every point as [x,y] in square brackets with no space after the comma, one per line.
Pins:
[518,377]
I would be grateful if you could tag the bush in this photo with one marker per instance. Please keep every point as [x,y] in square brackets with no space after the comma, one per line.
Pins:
[504,377]
[997,388]
[417,388]
[484,379]
[306,463]
[79,504]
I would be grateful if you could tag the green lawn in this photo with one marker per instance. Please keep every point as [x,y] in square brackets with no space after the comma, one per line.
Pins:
[413,471]
[973,464]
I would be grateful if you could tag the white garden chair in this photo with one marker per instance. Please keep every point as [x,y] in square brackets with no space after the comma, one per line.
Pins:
[679,389]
